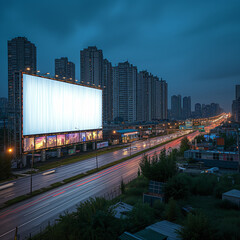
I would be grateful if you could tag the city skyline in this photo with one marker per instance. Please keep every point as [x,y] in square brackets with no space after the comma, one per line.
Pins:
[198,58]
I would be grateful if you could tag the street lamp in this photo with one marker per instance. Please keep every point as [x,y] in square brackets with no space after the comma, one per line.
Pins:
[10,150]
[31,173]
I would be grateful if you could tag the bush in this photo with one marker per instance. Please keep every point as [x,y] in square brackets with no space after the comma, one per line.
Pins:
[5,166]
[160,170]
[159,208]
[141,216]
[178,187]
[196,227]
[226,204]
[172,210]
[204,184]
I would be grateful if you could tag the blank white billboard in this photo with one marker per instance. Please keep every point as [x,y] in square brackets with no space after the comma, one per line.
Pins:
[51,106]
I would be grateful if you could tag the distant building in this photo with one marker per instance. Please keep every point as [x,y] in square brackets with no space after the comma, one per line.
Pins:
[107,86]
[124,95]
[144,97]
[236,104]
[91,66]
[64,69]
[163,99]
[186,107]
[22,56]
[3,108]
[151,97]
[237,93]
[198,110]
[176,107]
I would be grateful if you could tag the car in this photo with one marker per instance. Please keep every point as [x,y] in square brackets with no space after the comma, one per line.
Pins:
[211,170]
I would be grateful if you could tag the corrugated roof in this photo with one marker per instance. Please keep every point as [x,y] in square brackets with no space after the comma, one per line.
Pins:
[166,228]
[233,193]
[128,236]
[120,208]
[149,234]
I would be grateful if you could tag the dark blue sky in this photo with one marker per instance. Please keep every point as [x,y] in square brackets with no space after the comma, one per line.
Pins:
[194,45]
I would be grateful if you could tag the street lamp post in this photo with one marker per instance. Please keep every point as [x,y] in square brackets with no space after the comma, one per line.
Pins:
[96,155]
[31,173]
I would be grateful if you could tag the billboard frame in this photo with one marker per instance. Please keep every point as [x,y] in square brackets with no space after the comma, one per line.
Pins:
[55,133]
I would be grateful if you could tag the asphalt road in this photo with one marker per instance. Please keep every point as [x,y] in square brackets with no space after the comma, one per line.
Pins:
[22,185]
[34,214]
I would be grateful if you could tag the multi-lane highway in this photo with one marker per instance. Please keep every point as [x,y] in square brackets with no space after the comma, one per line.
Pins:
[35,213]
[22,186]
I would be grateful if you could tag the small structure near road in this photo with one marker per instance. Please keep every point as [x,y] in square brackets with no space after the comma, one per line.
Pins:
[163,230]
[155,192]
[232,196]
[120,209]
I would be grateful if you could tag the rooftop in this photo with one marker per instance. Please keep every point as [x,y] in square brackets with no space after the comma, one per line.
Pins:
[233,193]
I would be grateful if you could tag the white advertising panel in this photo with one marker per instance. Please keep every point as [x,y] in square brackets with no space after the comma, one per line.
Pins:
[51,106]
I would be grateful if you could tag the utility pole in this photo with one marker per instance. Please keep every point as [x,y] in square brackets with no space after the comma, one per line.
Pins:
[96,156]
[31,173]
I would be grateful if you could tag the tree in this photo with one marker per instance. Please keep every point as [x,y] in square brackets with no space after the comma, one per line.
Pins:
[5,166]
[171,210]
[177,187]
[184,146]
[199,138]
[140,216]
[196,227]
[159,170]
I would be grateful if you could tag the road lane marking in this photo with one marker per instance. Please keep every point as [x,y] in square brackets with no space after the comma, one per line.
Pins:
[58,193]
[36,209]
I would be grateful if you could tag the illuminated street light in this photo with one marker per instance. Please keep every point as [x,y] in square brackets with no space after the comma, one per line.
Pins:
[10,150]
[28,68]
[114,131]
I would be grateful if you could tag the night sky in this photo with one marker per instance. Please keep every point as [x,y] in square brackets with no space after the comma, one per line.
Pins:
[194,45]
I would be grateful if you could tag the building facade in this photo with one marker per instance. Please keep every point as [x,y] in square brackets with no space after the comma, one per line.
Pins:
[198,110]
[107,86]
[91,66]
[22,56]
[124,96]
[64,69]
[186,107]
[176,107]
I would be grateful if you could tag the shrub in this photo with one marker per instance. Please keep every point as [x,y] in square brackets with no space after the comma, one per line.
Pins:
[196,227]
[177,187]
[159,208]
[226,204]
[172,210]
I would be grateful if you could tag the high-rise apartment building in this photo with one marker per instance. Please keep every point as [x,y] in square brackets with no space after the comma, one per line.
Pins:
[198,110]
[236,104]
[124,96]
[107,86]
[151,97]
[186,107]
[176,107]
[21,57]
[3,107]
[163,99]
[64,69]
[91,66]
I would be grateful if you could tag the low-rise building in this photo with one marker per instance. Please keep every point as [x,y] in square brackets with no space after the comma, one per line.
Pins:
[214,158]
[232,196]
